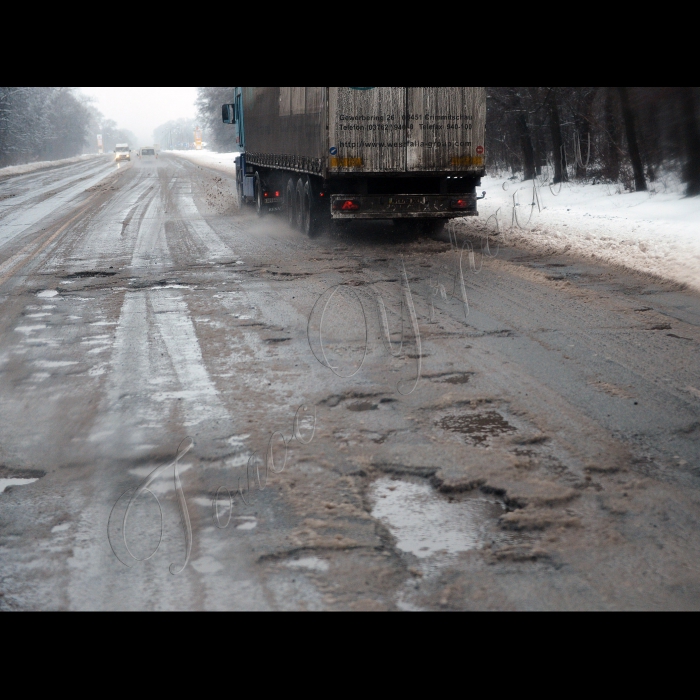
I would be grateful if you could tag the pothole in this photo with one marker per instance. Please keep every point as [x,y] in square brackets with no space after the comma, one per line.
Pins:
[89,275]
[455,379]
[478,427]
[7,483]
[309,564]
[361,406]
[429,526]
[10,478]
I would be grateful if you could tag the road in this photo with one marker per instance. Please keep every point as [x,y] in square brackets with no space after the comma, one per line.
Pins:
[536,450]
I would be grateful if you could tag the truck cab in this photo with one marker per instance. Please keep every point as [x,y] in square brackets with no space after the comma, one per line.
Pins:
[123,152]
[245,175]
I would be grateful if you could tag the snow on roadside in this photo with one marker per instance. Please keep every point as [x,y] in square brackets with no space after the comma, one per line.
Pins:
[653,233]
[225,162]
[32,167]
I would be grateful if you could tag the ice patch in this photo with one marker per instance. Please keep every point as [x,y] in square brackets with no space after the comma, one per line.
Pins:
[48,294]
[207,565]
[44,364]
[60,528]
[171,286]
[28,330]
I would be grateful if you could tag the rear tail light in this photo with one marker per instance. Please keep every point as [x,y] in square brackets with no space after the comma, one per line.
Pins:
[346,205]
[461,203]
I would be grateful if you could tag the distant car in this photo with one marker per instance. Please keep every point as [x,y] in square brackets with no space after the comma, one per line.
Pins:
[148,153]
[123,152]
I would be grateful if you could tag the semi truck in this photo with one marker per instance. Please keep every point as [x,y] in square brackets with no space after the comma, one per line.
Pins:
[322,154]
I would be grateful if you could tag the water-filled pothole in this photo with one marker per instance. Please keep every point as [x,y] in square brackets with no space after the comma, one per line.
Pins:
[429,525]
[10,478]
[456,378]
[478,427]
[7,483]
[89,274]
[361,406]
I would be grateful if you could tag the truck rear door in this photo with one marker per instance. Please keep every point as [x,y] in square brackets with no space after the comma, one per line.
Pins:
[445,128]
[406,129]
[367,129]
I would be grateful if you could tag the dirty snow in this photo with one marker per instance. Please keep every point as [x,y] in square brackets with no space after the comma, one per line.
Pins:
[224,162]
[32,167]
[656,233]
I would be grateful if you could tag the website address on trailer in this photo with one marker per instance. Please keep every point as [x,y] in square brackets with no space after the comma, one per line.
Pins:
[405,144]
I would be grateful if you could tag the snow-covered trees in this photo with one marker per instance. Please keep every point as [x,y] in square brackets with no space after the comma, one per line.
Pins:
[176,134]
[209,100]
[41,123]
[610,133]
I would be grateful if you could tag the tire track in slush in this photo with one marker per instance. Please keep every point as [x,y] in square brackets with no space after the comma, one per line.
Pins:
[158,372]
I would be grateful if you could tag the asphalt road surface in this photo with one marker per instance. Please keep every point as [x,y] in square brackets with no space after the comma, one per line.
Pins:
[203,410]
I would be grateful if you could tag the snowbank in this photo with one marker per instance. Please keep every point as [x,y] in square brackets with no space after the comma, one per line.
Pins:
[32,167]
[216,161]
[654,233]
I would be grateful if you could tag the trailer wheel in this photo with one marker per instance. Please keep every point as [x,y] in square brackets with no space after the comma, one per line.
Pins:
[299,206]
[259,196]
[290,202]
[239,191]
[311,215]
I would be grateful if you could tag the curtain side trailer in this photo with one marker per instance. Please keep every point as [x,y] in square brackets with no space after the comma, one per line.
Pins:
[345,153]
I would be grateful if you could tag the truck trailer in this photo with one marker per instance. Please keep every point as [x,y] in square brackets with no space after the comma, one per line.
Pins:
[323,154]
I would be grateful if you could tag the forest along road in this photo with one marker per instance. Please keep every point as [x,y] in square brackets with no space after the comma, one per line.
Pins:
[546,458]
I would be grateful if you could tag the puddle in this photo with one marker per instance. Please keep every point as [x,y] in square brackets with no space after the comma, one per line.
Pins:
[427,525]
[89,275]
[362,406]
[6,483]
[478,427]
[457,379]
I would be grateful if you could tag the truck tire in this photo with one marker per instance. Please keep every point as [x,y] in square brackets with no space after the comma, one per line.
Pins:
[312,218]
[290,202]
[299,205]
[239,191]
[259,199]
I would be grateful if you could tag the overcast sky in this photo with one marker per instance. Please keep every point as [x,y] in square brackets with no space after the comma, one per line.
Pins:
[142,109]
